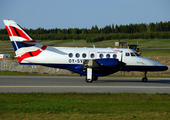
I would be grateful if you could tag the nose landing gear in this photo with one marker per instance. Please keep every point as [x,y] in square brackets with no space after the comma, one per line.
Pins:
[145,79]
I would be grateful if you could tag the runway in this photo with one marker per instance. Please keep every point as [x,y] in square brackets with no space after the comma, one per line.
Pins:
[58,84]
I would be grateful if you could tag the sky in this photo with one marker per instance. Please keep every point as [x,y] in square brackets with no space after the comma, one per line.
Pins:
[64,14]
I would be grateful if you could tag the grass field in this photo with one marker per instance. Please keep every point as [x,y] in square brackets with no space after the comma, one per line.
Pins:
[147,43]
[84,106]
[155,52]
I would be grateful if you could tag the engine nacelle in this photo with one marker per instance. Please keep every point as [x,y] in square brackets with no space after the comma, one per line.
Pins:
[108,62]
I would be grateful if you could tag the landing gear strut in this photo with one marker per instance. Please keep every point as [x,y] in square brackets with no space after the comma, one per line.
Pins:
[145,79]
[90,78]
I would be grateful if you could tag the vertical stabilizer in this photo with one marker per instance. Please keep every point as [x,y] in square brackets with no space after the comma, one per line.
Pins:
[24,46]
[15,32]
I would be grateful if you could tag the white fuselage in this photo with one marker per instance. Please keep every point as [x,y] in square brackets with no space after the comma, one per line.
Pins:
[60,55]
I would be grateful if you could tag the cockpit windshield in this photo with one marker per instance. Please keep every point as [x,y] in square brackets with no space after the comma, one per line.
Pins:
[132,54]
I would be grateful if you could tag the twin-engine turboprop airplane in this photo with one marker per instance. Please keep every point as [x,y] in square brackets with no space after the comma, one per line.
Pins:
[91,62]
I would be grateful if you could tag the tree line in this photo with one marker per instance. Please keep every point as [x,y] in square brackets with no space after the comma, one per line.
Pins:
[95,34]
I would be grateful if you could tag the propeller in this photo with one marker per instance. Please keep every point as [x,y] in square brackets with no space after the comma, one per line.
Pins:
[121,63]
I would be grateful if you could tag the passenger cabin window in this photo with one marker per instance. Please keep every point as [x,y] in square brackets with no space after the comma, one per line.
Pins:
[70,55]
[92,55]
[114,56]
[127,54]
[101,55]
[108,56]
[84,55]
[77,55]
[132,54]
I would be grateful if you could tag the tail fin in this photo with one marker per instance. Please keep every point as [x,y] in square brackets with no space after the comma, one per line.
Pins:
[15,32]
[17,35]
[23,44]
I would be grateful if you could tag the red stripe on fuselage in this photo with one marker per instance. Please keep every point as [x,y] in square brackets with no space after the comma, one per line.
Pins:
[27,55]
[43,47]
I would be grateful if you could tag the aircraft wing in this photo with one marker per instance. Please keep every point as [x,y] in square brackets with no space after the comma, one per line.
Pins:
[99,66]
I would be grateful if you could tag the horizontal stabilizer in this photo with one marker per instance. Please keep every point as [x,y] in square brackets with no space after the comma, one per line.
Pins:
[28,42]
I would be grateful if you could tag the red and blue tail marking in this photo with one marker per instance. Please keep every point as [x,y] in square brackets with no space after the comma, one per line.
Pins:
[23,44]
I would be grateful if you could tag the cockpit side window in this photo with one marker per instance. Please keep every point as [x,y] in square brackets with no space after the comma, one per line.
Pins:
[132,54]
[137,54]
[127,54]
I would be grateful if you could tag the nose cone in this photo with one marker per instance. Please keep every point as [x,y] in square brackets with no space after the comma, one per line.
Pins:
[163,68]
[155,66]
[159,66]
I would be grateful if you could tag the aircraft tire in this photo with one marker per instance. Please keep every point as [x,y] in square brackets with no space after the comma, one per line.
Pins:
[144,79]
[89,80]
[95,78]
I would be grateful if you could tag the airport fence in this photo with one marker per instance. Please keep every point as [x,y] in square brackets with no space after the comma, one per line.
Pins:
[13,65]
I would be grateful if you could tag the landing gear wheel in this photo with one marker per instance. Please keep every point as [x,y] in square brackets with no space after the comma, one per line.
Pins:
[89,80]
[144,79]
[95,78]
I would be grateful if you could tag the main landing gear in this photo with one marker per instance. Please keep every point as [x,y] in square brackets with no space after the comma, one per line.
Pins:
[145,79]
[94,78]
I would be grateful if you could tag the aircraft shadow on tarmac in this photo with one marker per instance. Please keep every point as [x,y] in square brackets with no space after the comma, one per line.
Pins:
[136,81]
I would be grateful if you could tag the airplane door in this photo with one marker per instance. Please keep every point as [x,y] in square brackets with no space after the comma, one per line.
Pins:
[92,55]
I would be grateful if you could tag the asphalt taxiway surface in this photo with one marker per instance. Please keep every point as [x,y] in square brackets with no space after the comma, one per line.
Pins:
[57,84]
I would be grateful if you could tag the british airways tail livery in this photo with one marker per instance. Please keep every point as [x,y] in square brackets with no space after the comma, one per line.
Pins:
[91,62]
